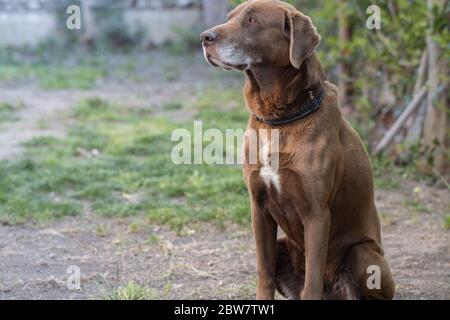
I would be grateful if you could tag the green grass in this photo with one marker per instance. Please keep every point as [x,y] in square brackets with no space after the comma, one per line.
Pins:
[102,231]
[447,222]
[416,206]
[8,112]
[117,160]
[386,174]
[51,67]
[172,106]
[133,291]
[54,76]
[153,239]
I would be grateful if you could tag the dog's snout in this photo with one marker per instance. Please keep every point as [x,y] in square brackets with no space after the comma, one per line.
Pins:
[209,36]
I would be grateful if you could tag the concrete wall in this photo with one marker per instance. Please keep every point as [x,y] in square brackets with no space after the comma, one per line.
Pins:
[26,28]
[30,27]
[161,25]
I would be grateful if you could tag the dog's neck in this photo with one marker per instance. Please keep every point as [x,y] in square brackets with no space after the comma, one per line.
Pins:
[275,92]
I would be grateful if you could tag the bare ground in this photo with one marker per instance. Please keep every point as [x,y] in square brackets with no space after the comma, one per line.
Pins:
[205,263]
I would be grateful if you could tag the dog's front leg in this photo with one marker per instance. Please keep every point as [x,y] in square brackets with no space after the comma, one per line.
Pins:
[265,232]
[317,228]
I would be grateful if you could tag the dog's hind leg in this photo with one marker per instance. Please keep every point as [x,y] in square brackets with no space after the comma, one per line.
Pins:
[290,275]
[370,272]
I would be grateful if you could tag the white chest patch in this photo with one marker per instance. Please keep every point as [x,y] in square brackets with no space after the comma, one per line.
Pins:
[268,172]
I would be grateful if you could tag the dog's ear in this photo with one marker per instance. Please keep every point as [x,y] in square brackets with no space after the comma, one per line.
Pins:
[302,35]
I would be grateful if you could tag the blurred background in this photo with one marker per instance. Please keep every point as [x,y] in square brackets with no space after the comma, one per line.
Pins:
[378,71]
[86,118]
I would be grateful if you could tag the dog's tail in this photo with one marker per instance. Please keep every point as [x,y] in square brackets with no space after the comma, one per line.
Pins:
[289,278]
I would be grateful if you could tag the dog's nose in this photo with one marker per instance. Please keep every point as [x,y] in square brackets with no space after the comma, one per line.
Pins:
[209,36]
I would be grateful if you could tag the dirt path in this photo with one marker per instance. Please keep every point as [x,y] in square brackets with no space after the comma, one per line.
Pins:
[41,111]
[34,260]
[416,245]
[207,263]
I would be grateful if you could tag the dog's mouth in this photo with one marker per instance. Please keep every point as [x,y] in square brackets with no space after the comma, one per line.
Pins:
[215,62]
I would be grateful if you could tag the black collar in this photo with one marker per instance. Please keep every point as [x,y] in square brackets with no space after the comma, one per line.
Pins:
[312,107]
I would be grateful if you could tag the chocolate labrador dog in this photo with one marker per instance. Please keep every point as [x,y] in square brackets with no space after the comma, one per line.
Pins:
[322,193]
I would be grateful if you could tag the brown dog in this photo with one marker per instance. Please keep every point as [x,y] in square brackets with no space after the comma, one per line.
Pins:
[322,195]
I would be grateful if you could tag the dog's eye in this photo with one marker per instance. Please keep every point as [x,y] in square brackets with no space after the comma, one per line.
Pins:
[251,20]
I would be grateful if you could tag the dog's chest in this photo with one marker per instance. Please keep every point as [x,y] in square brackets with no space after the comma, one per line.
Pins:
[267,161]
[269,170]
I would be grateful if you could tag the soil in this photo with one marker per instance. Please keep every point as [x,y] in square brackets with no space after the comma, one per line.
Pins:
[207,263]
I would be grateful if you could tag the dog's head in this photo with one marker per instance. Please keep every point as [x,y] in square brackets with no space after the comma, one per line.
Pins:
[261,31]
